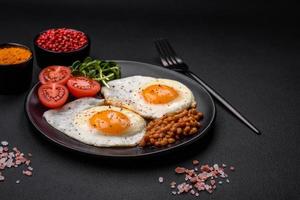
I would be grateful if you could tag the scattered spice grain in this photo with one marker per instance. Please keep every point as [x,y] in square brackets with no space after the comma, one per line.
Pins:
[195,162]
[204,180]
[13,55]
[13,158]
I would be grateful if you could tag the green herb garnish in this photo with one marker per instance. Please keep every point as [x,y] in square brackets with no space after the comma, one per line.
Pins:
[98,70]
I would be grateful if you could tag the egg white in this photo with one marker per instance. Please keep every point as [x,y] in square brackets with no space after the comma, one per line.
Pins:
[127,92]
[73,120]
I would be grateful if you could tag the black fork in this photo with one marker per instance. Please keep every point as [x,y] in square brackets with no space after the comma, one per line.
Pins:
[170,60]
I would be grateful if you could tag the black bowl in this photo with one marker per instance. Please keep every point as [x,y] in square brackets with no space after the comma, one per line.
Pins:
[15,78]
[46,57]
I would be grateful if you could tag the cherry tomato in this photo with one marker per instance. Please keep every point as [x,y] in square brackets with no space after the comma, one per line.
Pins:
[55,74]
[83,87]
[53,95]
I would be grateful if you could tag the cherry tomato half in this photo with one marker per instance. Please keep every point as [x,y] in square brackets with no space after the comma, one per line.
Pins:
[55,74]
[53,95]
[83,87]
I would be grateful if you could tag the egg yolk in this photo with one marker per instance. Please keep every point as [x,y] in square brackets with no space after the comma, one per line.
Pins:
[110,122]
[159,94]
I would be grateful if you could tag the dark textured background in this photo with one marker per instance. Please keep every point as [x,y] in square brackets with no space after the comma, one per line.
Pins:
[247,50]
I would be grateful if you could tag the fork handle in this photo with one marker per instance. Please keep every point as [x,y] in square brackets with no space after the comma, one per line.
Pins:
[223,101]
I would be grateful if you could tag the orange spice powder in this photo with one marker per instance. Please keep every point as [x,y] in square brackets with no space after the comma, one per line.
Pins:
[13,55]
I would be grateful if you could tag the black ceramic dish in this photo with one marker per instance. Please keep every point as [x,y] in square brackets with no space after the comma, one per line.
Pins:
[15,78]
[205,103]
[46,57]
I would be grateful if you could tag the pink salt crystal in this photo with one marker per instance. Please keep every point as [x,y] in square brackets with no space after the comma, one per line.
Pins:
[180,188]
[30,168]
[199,186]
[193,179]
[195,162]
[18,162]
[2,178]
[173,184]
[2,160]
[209,191]
[4,143]
[27,172]
[11,154]
[180,170]
[232,168]
[216,166]
[207,187]
[212,182]
[27,162]
[205,168]
[189,172]
[187,188]
[4,154]
[22,159]
[161,179]
[9,163]
[15,149]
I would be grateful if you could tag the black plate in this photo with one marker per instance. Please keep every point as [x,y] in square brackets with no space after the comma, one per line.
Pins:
[205,104]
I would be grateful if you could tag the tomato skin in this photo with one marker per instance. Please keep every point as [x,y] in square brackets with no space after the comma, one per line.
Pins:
[83,87]
[53,95]
[55,74]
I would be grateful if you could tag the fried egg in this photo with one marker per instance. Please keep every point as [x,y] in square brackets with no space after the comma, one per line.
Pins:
[89,121]
[150,97]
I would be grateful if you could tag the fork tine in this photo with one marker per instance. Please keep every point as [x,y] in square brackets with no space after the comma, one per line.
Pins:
[167,51]
[162,54]
[168,56]
[172,52]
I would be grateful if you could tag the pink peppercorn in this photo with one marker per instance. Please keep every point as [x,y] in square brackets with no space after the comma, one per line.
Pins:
[62,40]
